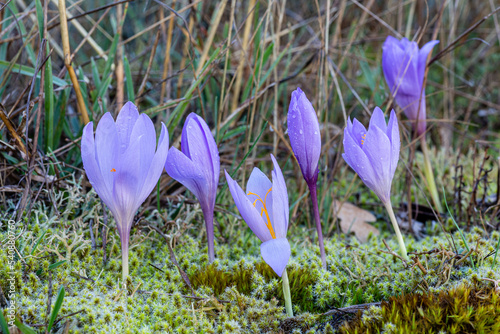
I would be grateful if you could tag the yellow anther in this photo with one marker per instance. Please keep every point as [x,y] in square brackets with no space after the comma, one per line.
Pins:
[113,170]
[264,210]
[363,137]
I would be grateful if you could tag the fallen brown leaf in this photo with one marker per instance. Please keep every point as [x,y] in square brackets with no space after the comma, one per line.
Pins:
[354,219]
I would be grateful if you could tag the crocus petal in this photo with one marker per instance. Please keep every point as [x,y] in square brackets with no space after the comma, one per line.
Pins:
[247,211]
[422,59]
[279,194]
[91,166]
[185,171]
[410,105]
[276,253]
[144,130]
[358,132]
[305,137]
[156,165]
[198,144]
[127,185]
[258,192]
[378,119]
[377,148]
[357,159]
[125,121]
[107,148]
[393,134]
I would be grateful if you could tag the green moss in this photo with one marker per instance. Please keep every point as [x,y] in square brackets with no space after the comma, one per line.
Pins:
[463,309]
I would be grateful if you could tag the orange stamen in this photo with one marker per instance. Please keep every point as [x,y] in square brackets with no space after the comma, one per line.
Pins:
[363,137]
[113,170]
[264,210]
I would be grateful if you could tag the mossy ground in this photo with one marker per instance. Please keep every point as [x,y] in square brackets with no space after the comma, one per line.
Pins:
[238,293]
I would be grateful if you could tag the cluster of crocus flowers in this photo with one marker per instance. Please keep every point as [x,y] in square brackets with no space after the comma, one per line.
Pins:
[404,66]
[305,138]
[123,163]
[264,207]
[197,167]
[374,156]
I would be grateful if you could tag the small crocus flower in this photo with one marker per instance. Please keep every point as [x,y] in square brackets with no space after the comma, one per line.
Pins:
[305,138]
[374,155]
[264,207]
[197,167]
[123,164]
[404,66]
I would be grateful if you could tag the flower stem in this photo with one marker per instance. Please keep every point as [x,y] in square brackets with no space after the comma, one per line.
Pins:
[402,246]
[314,198]
[286,293]
[209,224]
[429,175]
[124,263]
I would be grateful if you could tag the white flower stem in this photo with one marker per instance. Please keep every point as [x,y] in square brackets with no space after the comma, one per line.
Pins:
[401,242]
[429,175]
[286,293]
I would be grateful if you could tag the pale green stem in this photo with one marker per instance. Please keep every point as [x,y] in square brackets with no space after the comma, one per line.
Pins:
[124,266]
[429,175]
[401,242]
[286,293]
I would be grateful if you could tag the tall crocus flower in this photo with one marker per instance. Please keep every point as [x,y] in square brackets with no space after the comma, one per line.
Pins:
[264,207]
[123,164]
[404,70]
[197,167]
[404,66]
[374,155]
[305,137]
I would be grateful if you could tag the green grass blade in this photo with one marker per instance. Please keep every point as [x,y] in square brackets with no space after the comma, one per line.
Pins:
[23,328]
[3,324]
[39,17]
[57,307]
[30,71]
[95,73]
[128,80]
[49,104]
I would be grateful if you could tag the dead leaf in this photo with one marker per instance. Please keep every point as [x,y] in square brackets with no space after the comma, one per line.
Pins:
[354,219]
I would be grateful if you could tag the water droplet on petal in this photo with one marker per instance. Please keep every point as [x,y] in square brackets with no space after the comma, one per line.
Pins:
[300,131]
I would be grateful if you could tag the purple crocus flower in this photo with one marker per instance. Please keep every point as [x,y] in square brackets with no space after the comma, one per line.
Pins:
[122,165]
[197,167]
[305,138]
[374,154]
[264,207]
[404,65]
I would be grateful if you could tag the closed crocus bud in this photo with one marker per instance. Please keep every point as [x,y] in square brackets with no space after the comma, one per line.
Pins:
[374,154]
[404,65]
[197,167]
[305,137]
[264,207]
[123,164]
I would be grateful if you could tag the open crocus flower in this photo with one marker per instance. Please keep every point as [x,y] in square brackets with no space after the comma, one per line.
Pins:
[305,138]
[404,65]
[123,164]
[374,155]
[264,207]
[197,167]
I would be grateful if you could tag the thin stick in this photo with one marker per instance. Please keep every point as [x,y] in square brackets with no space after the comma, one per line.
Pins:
[82,109]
